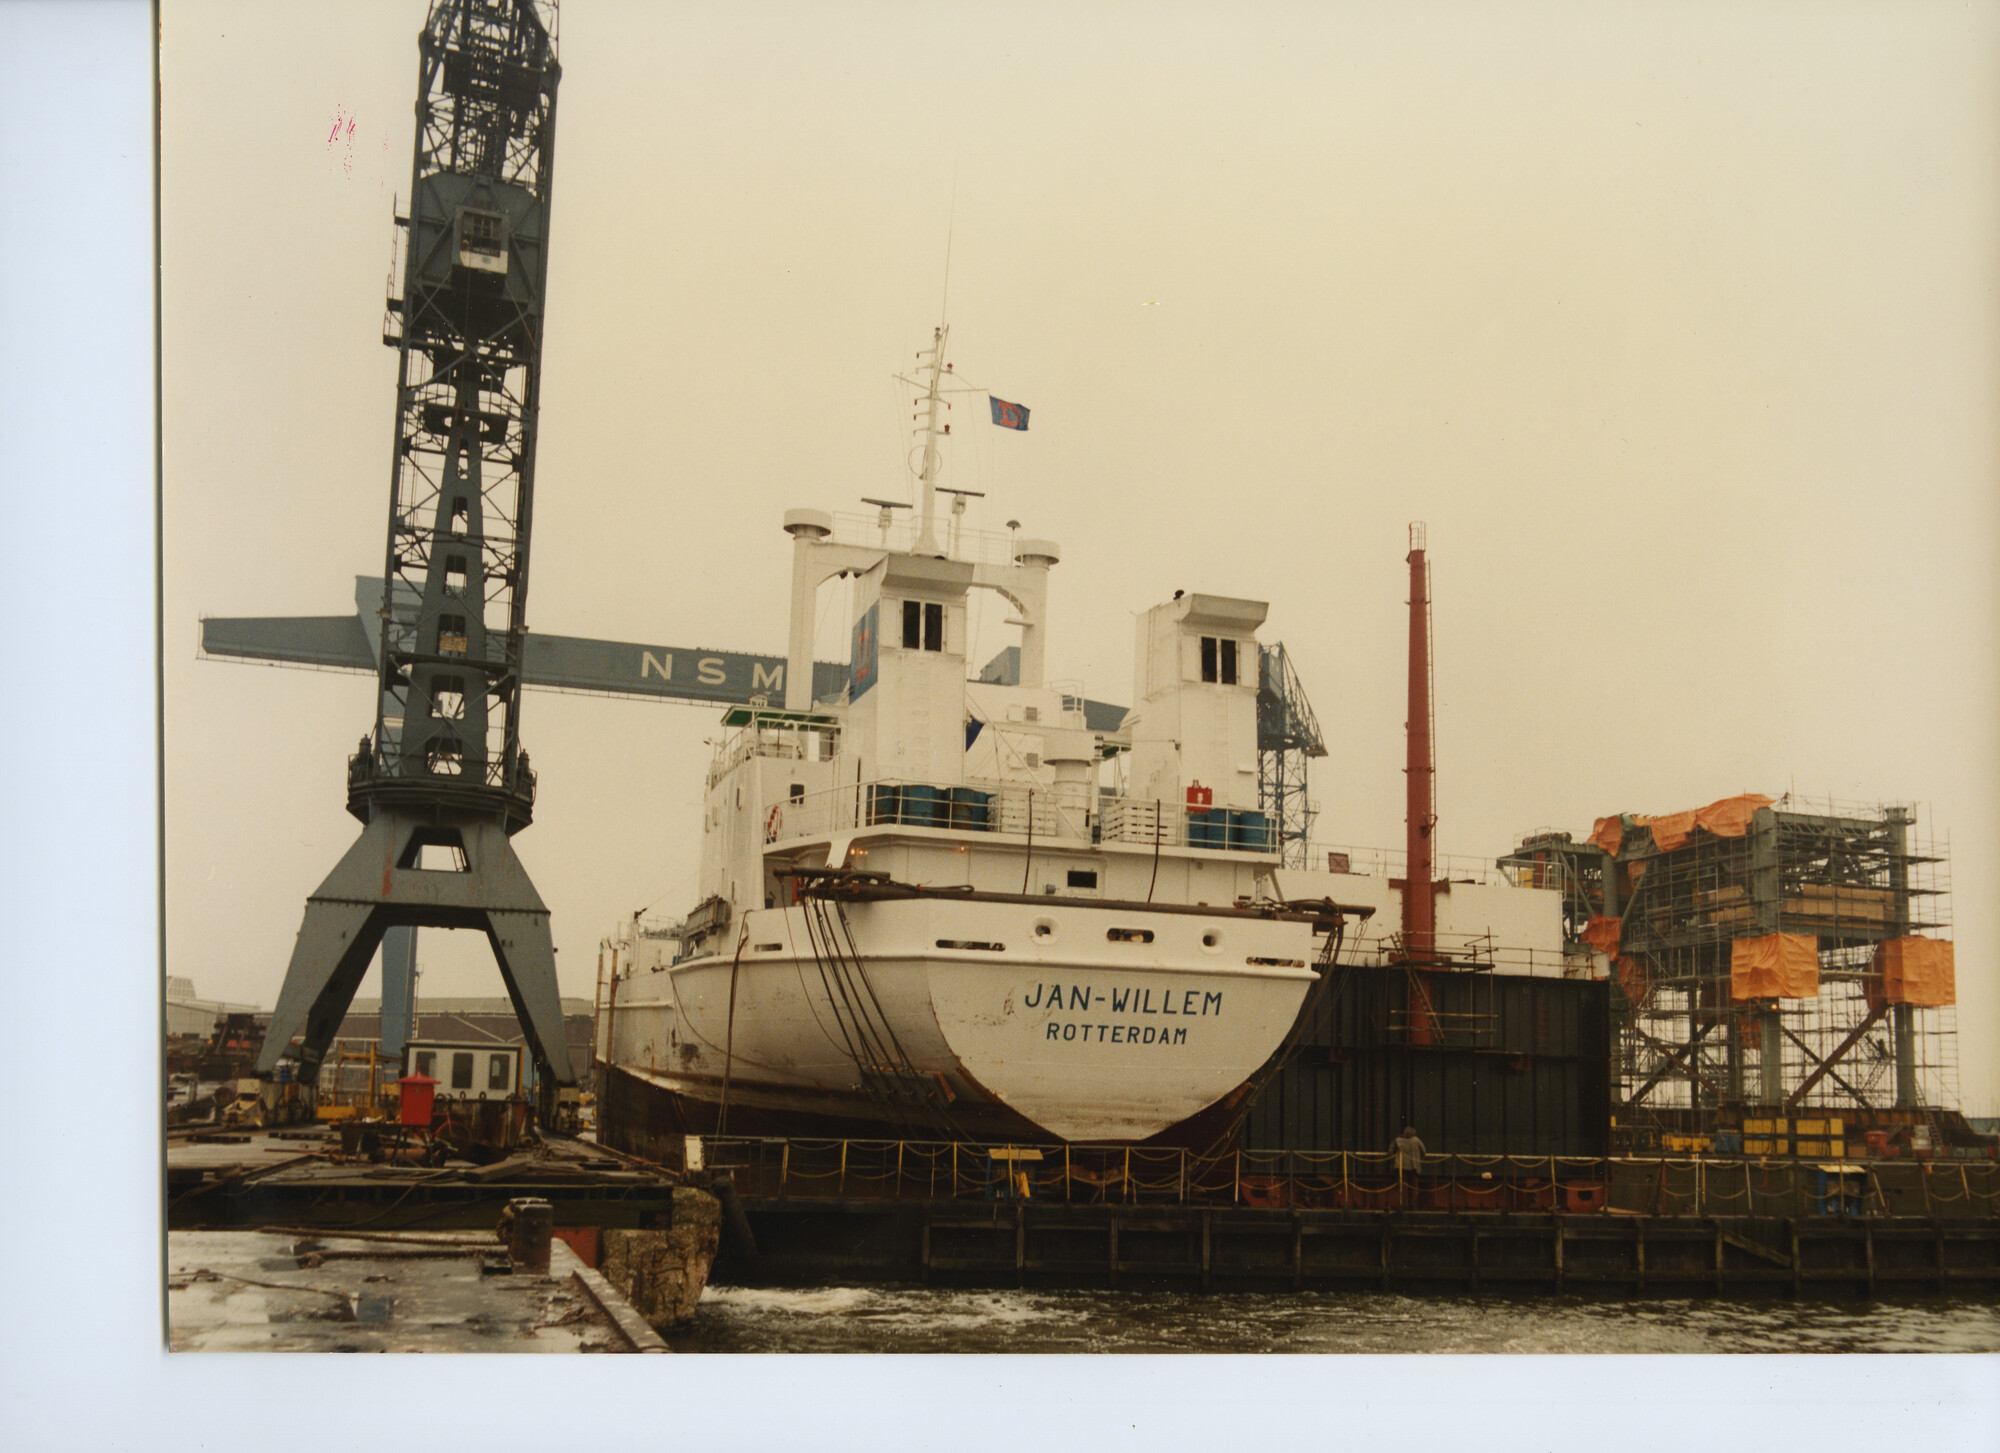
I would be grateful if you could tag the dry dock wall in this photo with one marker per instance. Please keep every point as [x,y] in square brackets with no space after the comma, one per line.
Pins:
[1245,1249]
[1488,1064]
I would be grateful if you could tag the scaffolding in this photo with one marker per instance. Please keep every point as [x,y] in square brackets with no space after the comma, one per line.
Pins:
[1685,913]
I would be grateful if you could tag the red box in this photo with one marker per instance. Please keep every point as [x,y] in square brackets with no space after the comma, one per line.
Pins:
[418,1093]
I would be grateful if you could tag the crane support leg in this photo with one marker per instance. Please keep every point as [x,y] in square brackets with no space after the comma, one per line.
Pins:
[379,884]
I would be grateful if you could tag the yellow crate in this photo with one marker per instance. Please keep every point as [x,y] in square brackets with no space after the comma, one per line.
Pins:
[1815,1149]
[1759,1147]
[1836,1127]
[1779,1126]
[1812,1127]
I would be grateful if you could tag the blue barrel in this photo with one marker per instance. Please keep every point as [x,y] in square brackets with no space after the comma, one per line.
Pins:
[1208,829]
[1250,832]
[885,804]
[924,806]
[971,808]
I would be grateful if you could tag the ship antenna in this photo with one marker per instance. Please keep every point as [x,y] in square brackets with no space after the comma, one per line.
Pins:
[933,460]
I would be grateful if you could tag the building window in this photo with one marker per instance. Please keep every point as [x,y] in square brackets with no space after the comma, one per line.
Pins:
[913,615]
[1218,660]
[933,627]
[497,1076]
[448,697]
[461,1070]
[427,1063]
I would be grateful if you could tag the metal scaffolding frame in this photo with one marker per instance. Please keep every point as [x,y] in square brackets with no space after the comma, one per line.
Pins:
[1689,1057]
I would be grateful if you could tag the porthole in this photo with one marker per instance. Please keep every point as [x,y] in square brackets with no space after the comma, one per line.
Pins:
[1211,940]
[1045,930]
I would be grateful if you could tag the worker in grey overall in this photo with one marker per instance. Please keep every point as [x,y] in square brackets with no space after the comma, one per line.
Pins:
[1409,1160]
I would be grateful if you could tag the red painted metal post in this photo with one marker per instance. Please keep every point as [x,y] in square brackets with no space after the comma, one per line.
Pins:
[1420,808]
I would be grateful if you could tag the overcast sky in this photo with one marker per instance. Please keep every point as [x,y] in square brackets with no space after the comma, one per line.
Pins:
[1677,325]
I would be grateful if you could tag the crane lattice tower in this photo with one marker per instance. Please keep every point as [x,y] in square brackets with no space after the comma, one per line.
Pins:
[442,784]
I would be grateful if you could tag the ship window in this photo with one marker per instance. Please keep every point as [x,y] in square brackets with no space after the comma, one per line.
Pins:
[923,626]
[427,1063]
[448,698]
[798,790]
[1218,660]
[461,1070]
[1276,963]
[1129,935]
[496,1071]
[991,948]
[1083,877]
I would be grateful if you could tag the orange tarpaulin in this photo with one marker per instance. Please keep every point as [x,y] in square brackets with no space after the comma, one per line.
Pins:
[1608,834]
[1731,816]
[1727,817]
[1918,971]
[1601,933]
[1631,978]
[1671,831]
[1774,966]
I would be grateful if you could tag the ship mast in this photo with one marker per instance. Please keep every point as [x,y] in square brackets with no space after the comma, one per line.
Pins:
[933,460]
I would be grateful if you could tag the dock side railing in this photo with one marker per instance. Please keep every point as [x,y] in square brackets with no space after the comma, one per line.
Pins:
[798,1169]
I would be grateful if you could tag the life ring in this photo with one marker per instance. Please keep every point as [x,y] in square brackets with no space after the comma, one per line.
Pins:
[773,823]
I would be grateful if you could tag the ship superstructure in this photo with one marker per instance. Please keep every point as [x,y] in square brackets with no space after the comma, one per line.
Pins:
[961,905]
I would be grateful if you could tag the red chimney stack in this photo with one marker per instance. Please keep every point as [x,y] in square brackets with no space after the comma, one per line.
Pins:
[1419,907]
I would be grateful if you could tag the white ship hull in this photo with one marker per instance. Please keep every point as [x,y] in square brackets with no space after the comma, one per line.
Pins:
[1088,1021]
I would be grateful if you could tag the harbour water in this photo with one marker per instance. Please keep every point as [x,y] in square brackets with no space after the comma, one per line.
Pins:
[919,1319]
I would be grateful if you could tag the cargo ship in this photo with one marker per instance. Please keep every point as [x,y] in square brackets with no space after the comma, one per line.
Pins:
[984,908]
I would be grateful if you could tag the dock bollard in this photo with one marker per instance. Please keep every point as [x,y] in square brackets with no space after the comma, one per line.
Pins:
[527,1226]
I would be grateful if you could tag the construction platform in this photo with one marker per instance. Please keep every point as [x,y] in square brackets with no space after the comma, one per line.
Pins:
[287,1291]
[247,1179]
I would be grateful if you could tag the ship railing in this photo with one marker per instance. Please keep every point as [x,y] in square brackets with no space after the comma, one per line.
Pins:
[1130,1175]
[782,743]
[1370,862]
[982,547]
[1064,811]
[1046,813]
